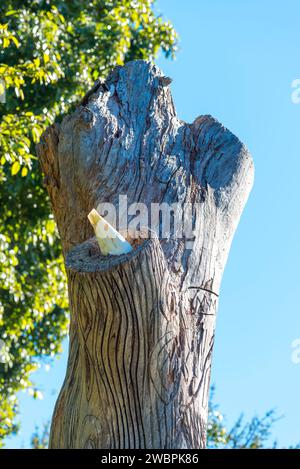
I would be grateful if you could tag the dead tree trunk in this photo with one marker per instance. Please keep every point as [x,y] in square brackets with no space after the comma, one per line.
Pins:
[142,324]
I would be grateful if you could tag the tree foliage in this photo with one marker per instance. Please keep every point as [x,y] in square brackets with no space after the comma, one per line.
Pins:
[252,434]
[39,440]
[51,53]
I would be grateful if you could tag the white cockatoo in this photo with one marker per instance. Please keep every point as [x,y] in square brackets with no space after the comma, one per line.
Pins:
[110,240]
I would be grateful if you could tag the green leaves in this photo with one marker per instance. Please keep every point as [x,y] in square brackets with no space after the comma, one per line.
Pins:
[6,37]
[50,54]
[15,168]
[24,171]
[18,133]
[252,434]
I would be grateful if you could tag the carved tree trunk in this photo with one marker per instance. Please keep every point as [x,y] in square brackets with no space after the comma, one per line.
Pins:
[142,324]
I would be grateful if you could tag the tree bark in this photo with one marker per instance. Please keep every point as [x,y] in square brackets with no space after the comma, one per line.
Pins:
[142,324]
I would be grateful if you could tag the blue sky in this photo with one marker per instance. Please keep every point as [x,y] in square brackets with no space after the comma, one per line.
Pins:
[237,60]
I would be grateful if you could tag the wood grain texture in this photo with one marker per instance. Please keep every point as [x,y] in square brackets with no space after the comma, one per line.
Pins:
[142,327]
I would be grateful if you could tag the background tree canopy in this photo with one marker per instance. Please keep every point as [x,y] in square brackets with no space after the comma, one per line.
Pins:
[51,54]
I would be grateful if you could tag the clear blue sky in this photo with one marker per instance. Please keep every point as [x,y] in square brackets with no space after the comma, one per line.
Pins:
[237,60]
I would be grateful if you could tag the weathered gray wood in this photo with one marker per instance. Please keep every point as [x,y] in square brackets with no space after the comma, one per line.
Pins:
[142,327]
